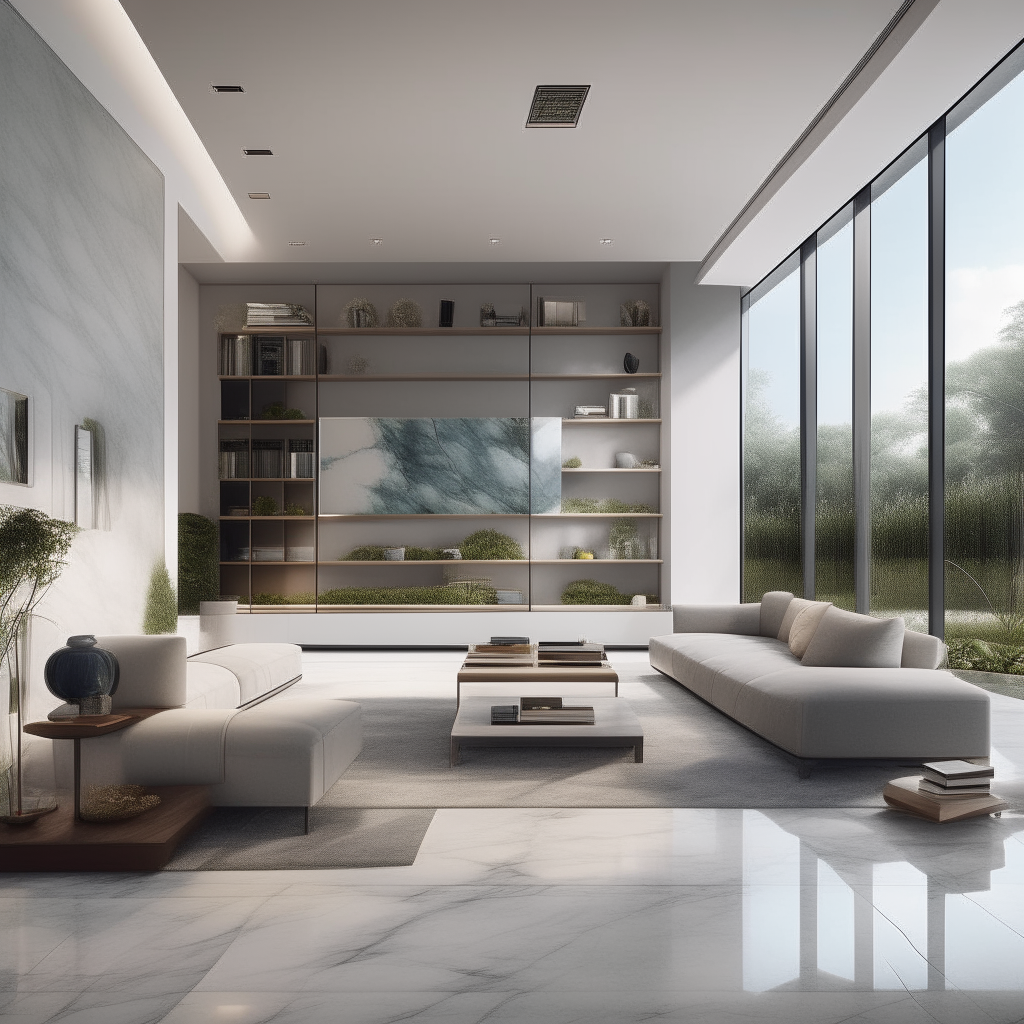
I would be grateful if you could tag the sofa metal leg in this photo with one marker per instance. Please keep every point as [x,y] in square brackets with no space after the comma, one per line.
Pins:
[307,821]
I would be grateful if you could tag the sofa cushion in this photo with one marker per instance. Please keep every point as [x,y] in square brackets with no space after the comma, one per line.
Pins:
[805,625]
[152,670]
[210,686]
[922,651]
[773,610]
[796,606]
[259,668]
[849,640]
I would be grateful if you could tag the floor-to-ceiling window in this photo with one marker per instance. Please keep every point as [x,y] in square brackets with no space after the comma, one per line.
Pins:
[899,392]
[834,520]
[771,437]
[984,526]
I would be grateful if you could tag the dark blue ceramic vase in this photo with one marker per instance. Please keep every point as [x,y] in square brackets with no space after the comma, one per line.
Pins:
[81,670]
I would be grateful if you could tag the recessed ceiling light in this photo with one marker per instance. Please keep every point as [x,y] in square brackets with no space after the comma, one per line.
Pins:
[606,241]
[296,243]
[259,195]
[258,152]
[376,241]
[494,241]
[556,106]
[227,88]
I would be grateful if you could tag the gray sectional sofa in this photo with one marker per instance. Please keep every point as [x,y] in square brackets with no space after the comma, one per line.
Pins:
[731,657]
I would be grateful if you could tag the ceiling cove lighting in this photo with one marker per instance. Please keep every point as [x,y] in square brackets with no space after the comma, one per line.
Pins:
[259,195]
[257,152]
[556,106]
[227,88]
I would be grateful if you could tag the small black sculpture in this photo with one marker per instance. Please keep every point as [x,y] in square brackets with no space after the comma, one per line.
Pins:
[631,363]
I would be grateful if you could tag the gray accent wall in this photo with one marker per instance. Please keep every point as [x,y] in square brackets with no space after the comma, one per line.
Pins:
[81,329]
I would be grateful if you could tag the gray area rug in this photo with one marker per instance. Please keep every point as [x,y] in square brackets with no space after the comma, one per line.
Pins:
[273,838]
[693,757]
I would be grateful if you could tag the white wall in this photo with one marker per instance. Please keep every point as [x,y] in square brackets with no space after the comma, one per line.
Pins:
[702,339]
[188,393]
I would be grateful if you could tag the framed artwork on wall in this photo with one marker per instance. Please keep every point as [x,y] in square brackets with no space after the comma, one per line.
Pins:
[13,437]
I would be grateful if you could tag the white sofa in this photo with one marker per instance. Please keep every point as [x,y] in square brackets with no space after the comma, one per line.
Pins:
[731,657]
[220,729]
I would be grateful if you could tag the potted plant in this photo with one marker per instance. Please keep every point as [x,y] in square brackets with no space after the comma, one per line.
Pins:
[33,549]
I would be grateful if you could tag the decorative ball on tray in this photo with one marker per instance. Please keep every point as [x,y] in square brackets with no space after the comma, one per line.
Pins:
[83,675]
[360,312]
[404,313]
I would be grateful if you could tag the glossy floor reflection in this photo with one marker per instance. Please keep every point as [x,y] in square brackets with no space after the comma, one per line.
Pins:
[622,915]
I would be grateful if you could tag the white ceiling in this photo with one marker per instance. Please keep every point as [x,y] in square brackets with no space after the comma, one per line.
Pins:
[403,119]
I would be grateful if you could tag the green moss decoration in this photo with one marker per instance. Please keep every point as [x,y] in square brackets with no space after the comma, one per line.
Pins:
[161,614]
[278,411]
[593,592]
[413,554]
[590,506]
[491,545]
[469,592]
[198,562]
[306,598]
[364,553]
[291,509]
[572,463]
[264,506]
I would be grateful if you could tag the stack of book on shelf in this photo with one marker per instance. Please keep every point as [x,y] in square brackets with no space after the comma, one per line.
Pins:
[300,458]
[945,791]
[235,357]
[233,458]
[301,361]
[503,652]
[550,711]
[276,314]
[570,653]
[268,458]
[268,357]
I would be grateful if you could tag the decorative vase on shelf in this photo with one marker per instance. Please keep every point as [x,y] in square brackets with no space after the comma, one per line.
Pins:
[83,675]
[630,362]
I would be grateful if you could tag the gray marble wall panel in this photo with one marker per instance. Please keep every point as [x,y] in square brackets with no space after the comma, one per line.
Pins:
[81,328]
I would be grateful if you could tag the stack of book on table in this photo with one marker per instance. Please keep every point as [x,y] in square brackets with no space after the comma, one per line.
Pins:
[503,652]
[945,791]
[541,711]
[569,653]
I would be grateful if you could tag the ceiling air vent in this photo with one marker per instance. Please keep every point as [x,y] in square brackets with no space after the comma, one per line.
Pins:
[258,152]
[259,195]
[556,106]
[227,88]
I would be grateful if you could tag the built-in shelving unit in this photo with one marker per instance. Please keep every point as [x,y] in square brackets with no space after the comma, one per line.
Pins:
[463,371]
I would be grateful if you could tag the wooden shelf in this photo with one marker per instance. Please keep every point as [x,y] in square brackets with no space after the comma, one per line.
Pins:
[427,515]
[597,515]
[349,378]
[596,608]
[282,561]
[341,608]
[595,376]
[275,331]
[268,376]
[596,330]
[427,332]
[614,469]
[604,420]
[436,561]
[597,561]
[265,423]
[267,480]
[268,519]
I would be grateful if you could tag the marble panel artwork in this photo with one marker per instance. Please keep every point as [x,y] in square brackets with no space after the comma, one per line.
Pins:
[439,466]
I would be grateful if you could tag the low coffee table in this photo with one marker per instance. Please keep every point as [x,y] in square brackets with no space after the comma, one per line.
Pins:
[555,675]
[615,725]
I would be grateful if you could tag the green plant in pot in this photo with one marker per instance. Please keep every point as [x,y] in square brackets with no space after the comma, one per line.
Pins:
[33,553]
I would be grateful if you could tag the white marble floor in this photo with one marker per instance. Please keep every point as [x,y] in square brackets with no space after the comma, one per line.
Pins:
[560,916]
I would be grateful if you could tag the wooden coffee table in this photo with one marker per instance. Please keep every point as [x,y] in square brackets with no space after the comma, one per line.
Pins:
[615,725]
[556,675]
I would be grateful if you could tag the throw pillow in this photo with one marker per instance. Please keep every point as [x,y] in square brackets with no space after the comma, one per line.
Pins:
[805,625]
[773,608]
[848,640]
[796,606]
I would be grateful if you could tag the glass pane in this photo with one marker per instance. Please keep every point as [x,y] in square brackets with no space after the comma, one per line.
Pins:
[985,375]
[771,443]
[834,509]
[899,399]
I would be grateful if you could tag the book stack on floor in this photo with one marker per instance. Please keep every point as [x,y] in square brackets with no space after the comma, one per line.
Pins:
[503,652]
[541,711]
[570,653]
[945,791]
